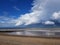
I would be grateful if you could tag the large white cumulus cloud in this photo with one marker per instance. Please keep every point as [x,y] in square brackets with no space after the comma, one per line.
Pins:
[37,11]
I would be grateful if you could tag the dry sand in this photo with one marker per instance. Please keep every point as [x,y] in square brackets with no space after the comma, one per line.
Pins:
[17,40]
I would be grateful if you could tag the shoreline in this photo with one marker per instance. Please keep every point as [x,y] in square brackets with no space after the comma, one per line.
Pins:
[3,34]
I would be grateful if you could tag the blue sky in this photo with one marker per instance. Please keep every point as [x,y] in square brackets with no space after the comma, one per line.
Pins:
[14,7]
[25,12]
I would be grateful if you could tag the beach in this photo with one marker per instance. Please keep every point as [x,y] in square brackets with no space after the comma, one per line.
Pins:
[21,40]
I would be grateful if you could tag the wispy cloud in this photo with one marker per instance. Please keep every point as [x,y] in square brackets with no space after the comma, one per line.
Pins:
[16,8]
[7,21]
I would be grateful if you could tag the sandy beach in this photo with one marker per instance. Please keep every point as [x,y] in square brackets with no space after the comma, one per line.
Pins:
[18,40]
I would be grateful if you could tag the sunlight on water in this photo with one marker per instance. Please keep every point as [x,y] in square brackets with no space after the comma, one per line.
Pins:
[35,33]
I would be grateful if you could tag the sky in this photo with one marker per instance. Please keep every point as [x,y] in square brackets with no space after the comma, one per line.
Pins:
[15,13]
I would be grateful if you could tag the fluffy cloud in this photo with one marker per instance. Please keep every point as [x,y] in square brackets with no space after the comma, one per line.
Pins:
[56,15]
[49,23]
[28,18]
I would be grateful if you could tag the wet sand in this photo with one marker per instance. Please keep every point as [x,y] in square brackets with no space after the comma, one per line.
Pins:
[18,40]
